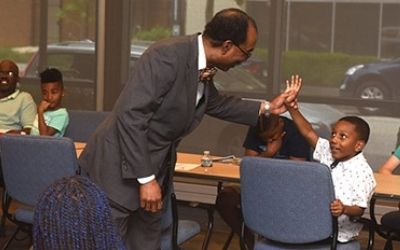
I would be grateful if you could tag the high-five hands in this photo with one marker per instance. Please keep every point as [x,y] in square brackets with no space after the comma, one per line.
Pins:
[292,90]
[287,98]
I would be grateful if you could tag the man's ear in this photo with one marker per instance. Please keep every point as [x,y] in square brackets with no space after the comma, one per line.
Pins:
[360,146]
[226,46]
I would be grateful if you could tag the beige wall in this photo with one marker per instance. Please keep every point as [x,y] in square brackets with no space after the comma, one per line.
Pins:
[195,13]
[19,15]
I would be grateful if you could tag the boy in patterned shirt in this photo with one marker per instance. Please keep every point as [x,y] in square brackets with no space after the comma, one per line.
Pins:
[352,176]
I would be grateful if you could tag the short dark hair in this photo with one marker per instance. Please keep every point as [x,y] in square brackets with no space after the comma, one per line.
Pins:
[74,213]
[268,126]
[361,126]
[228,24]
[51,75]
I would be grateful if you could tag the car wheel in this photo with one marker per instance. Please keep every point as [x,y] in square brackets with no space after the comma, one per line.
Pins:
[372,89]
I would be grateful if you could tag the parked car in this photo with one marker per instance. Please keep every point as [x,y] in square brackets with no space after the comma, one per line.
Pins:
[379,80]
[76,61]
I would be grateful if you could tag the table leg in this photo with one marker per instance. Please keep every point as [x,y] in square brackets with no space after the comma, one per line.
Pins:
[210,212]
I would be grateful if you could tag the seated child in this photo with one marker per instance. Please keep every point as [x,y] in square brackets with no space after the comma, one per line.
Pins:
[352,176]
[392,163]
[391,220]
[51,118]
[276,137]
[73,213]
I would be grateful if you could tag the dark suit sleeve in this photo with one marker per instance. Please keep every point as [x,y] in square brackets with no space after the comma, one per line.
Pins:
[140,99]
[231,108]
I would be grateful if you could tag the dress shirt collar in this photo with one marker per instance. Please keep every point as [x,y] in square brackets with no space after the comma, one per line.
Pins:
[350,163]
[202,61]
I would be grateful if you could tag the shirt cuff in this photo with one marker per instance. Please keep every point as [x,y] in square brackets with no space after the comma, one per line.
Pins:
[147,179]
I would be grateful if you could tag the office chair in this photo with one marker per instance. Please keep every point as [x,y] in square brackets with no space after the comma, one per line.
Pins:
[82,123]
[175,231]
[287,203]
[384,229]
[30,164]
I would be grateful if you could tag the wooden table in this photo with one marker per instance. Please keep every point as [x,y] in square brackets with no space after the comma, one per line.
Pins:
[228,172]
[202,180]
[388,186]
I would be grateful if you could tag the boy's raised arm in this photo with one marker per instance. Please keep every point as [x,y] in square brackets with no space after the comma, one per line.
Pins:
[305,128]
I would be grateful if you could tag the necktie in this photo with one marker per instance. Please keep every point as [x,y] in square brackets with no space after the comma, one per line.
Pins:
[207,74]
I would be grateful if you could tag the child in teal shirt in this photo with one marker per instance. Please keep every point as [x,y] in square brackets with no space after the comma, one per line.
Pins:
[51,118]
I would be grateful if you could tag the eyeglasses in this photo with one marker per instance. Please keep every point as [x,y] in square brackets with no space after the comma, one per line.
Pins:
[246,53]
[7,73]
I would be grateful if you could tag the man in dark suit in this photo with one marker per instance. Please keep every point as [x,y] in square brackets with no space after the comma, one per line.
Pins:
[133,152]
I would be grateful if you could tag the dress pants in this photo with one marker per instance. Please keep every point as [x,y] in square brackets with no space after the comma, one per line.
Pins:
[139,229]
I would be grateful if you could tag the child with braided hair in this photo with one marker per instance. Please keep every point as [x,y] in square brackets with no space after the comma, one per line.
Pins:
[73,213]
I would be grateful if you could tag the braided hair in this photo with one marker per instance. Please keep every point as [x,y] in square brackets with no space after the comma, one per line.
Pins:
[73,213]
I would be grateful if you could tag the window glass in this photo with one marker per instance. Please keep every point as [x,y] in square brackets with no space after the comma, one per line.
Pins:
[155,20]
[346,53]
[68,45]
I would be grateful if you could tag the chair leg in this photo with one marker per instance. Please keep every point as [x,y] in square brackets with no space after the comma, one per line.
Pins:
[242,242]
[370,225]
[228,241]
[11,238]
[6,200]
[388,245]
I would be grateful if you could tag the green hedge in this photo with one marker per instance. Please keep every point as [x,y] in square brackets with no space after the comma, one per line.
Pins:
[321,69]
[154,34]
[9,53]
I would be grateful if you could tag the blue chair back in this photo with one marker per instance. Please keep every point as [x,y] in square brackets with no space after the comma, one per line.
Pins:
[287,201]
[31,163]
[82,123]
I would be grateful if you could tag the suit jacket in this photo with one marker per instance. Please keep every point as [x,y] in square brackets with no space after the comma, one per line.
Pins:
[154,111]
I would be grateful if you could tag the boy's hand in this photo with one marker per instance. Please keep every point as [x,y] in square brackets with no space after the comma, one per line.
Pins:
[288,98]
[43,106]
[292,90]
[337,208]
